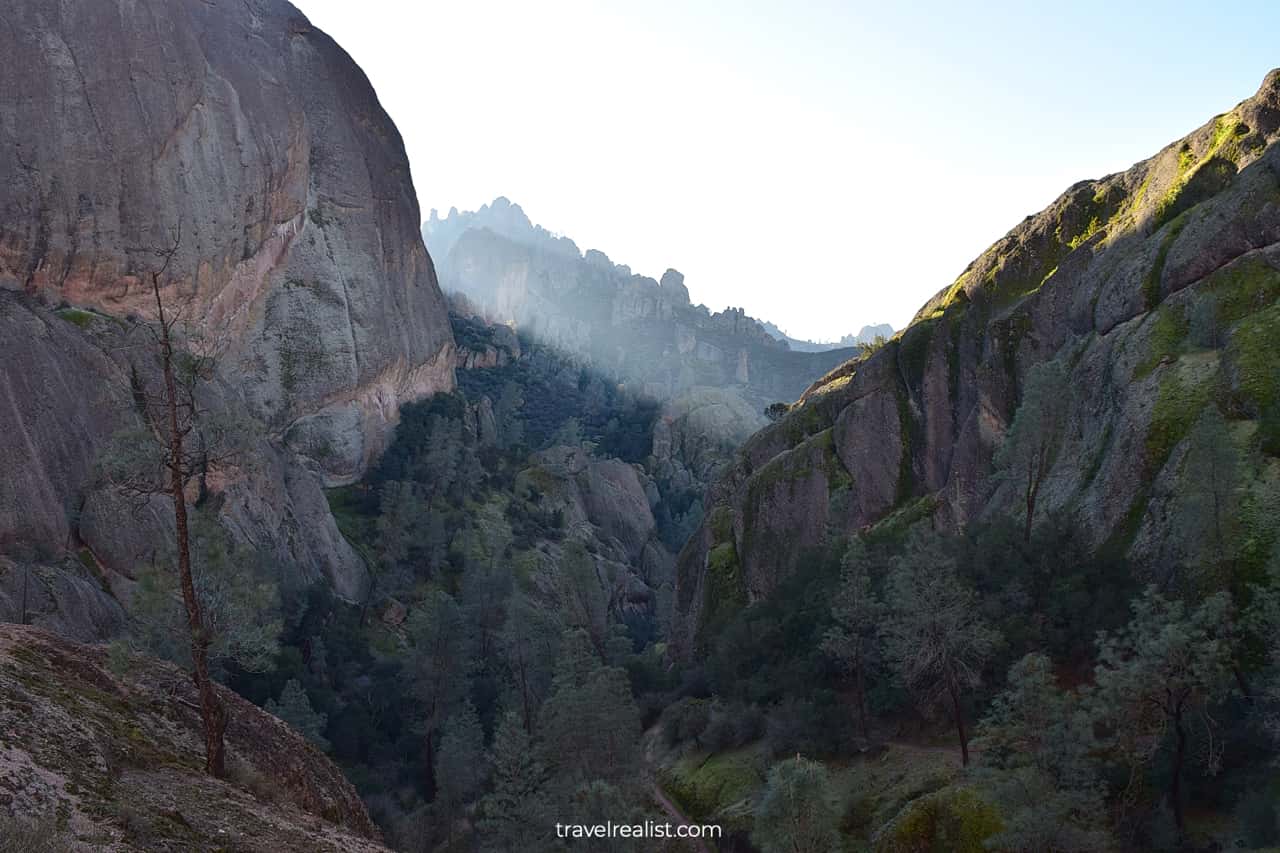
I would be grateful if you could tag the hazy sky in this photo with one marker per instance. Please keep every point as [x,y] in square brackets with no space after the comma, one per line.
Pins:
[823,165]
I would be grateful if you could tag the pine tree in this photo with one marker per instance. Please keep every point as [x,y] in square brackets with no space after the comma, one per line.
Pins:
[935,637]
[1037,764]
[1035,435]
[590,724]
[442,663]
[1156,676]
[295,709]
[513,816]
[795,814]
[858,614]
[461,764]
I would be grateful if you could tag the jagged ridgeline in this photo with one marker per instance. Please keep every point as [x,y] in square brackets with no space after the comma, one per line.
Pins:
[625,326]
[1154,290]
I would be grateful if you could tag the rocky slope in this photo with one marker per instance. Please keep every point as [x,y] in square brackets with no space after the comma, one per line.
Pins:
[641,331]
[111,745]
[300,266]
[1110,279]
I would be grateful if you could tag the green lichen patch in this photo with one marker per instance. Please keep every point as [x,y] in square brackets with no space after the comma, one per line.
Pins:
[724,589]
[1167,340]
[1242,288]
[1255,360]
[894,526]
[1204,181]
[1184,391]
[722,524]
[1151,283]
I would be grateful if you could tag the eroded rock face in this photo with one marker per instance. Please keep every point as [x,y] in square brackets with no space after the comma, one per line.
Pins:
[256,134]
[66,381]
[1107,278]
[299,266]
[605,505]
[91,744]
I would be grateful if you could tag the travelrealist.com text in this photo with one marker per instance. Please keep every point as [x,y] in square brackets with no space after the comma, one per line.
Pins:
[648,829]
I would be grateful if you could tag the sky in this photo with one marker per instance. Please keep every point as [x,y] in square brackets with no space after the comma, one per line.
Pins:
[824,165]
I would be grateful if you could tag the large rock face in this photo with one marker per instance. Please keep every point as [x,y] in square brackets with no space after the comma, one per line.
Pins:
[257,135]
[300,266]
[1112,278]
[116,754]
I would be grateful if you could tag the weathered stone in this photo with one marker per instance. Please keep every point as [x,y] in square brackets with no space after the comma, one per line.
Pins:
[1094,280]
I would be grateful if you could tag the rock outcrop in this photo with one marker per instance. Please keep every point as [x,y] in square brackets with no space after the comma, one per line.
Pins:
[628,327]
[259,137]
[251,139]
[1110,279]
[111,745]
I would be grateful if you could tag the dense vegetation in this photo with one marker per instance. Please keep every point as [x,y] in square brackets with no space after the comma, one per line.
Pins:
[489,684]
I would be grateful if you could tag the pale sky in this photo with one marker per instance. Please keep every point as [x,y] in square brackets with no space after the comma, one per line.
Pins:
[823,165]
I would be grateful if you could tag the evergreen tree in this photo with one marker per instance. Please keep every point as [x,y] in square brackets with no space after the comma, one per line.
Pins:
[513,816]
[529,640]
[484,593]
[1037,763]
[590,724]
[795,814]
[858,614]
[461,765]
[295,709]
[240,605]
[442,663]
[935,638]
[1158,675]
[508,413]
[1031,444]
[402,514]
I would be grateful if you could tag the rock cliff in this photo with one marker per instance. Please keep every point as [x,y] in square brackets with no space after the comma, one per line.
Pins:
[260,137]
[251,134]
[1111,279]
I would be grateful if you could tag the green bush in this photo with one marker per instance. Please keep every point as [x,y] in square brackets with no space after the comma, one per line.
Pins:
[953,820]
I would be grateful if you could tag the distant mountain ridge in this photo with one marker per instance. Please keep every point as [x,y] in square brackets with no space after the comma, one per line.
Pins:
[637,329]
[865,336]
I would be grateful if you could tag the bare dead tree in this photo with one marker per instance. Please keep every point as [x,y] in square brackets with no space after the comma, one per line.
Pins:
[177,454]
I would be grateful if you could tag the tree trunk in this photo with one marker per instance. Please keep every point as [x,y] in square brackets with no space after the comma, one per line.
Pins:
[26,580]
[526,702]
[1175,783]
[959,712]
[862,704]
[430,776]
[212,714]
[1242,681]
[1031,511]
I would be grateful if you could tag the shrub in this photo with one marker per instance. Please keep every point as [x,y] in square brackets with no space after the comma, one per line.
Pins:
[41,835]
[685,721]
[953,819]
